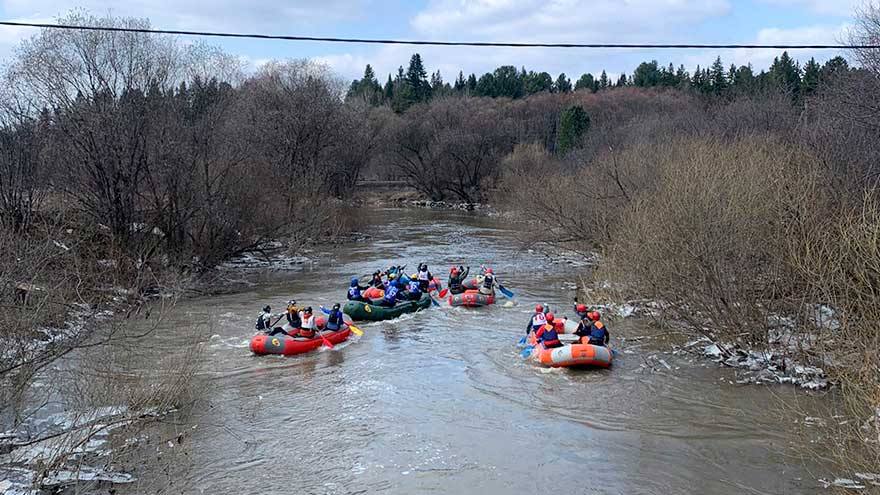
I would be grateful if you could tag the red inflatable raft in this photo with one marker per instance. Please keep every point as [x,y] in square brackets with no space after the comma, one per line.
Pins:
[471,299]
[262,344]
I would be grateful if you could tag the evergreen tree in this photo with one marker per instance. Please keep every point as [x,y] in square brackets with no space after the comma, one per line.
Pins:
[562,84]
[436,81]
[812,75]
[486,85]
[573,123]
[537,82]
[389,89]
[507,82]
[682,77]
[744,79]
[586,82]
[731,75]
[836,65]
[603,81]
[646,75]
[472,84]
[417,79]
[460,82]
[717,77]
[785,74]
[621,81]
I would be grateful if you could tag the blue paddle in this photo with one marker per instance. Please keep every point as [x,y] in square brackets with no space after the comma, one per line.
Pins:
[527,351]
[325,310]
[505,291]
[434,301]
[522,341]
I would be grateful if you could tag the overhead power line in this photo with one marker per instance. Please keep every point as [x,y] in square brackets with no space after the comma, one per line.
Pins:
[375,41]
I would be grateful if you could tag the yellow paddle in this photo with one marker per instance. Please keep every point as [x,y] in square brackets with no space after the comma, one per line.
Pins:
[357,331]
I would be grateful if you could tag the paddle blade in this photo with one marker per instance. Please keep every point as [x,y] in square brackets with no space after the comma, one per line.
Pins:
[357,331]
[443,293]
[527,351]
[326,342]
[505,291]
[325,310]
[522,341]
[434,301]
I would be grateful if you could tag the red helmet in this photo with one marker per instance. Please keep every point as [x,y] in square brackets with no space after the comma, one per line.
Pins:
[489,271]
[593,315]
[454,271]
[550,317]
[539,308]
[581,308]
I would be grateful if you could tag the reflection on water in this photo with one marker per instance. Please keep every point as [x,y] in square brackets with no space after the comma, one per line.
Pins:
[440,400]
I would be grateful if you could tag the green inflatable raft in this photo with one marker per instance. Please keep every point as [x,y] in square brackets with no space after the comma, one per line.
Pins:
[365,311]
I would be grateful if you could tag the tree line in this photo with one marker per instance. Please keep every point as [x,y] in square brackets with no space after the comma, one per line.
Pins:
[412,86]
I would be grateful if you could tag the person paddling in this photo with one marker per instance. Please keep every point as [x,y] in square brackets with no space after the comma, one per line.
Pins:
[390,298]
[307,325]
[424,277]
[334,319]
[598,333]
[413,291]
[489,283]
[264,322]
[354,291]
[457,276]
[293,318]
[376,281]
[538,320]
[547,334]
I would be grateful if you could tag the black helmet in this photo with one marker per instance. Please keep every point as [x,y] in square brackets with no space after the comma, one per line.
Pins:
[336,306]
[309,310]
[267,309]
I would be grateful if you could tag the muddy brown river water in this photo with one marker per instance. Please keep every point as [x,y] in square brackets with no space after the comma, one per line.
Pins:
[441,402]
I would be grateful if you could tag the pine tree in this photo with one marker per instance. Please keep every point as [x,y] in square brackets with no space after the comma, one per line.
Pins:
[389,89]
[573,123]
[683,79]
[785,74]
[562,84]
[812,76]
[586,82]
[460,82]
[507,82]
[717,77]
[646,75]
[472,84]
[621,81]
[417,79]
[603,81]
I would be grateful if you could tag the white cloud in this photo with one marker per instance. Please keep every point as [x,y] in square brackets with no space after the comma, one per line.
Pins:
[842,8]
[562,20]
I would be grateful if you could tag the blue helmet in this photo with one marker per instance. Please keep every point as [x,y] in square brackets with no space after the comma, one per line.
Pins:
[354,281]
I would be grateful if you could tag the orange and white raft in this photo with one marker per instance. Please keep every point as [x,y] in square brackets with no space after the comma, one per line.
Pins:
[569,355]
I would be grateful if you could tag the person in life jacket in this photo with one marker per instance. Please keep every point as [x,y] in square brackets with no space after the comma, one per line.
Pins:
[424,277]
[489,283]
[391,292]
[334,319]
[264,322]
[537,320]
[293,318]
[413,291]
[457,276]
[354,291]
[581,310]
[308,325]
[598,333]
[547,334]
[376,281]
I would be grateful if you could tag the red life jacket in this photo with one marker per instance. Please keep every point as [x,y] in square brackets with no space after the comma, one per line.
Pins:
[547,334]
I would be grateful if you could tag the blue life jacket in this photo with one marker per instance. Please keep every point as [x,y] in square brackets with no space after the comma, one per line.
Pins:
[391,293]
[550,337]
[354,293]
[598,334]
[414,286]
[334,320]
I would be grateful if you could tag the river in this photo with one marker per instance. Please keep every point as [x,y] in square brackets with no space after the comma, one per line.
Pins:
[441,402]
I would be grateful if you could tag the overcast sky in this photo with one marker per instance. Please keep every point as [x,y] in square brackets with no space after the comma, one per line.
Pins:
[613,21]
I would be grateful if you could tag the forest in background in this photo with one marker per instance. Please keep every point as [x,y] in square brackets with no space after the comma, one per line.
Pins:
[131,161]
